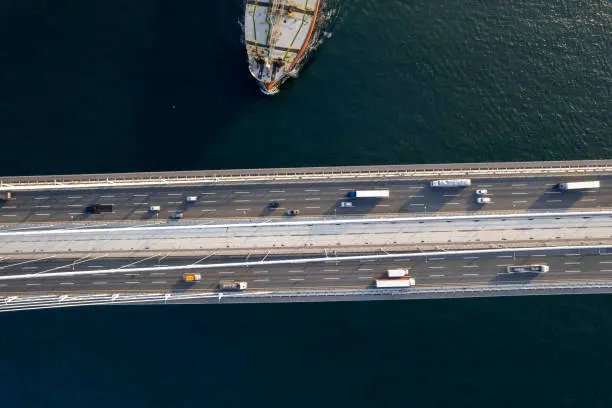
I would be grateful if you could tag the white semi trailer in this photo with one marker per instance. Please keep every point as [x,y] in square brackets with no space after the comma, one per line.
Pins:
[369,194]
[395,283]
[455,183]
[578,185]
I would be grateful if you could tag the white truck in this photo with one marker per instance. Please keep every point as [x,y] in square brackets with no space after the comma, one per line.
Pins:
[397,273]
[369,194]
[395,283]
[455,183]
[527,268]
[578,185]
[232,285]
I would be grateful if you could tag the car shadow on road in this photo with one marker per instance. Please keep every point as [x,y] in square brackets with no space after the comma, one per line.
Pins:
[180,286]
[149,215]
[473,205]
[358,206]
[270,211]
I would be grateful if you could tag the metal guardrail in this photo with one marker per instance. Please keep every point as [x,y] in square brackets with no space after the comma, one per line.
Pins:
[304,174]
[21,303]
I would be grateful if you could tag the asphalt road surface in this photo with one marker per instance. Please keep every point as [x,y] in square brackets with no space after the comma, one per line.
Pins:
[565,266]
[311,199]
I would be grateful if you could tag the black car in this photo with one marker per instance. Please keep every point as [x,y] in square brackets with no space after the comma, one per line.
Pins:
[274,204]
[99,208]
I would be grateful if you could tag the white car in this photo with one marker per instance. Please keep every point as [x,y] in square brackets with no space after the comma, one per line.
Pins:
[483,200]
[482,192]
[346,204]
[191,199]
[155,208]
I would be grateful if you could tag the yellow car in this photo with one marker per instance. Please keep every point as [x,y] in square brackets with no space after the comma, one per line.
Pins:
[191,277]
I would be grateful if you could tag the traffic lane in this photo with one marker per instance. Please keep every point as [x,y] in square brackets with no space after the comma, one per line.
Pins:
[433,271]
[312,198]
[231,209]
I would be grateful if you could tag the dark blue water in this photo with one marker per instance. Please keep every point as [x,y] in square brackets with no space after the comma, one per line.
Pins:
[551,352]
[98,86]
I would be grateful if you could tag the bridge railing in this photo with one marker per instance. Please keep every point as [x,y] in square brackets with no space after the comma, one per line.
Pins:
[33,302]
[304,174]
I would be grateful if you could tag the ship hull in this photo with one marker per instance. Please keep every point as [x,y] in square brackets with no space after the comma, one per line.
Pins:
[277,36]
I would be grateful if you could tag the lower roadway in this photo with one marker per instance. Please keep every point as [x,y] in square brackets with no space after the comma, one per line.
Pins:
[468,269]
[318,198]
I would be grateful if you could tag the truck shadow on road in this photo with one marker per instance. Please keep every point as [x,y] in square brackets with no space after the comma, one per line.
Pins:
[429,200]
[554,199]
[513,278]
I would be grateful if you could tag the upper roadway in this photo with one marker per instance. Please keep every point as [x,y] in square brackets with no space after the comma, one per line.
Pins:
[566,265]
[313,198]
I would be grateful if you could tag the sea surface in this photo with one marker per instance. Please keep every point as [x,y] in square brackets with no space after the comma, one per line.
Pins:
[103,86]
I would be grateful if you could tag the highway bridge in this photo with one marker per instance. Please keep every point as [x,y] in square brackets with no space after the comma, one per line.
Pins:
[49,245]
[317,193]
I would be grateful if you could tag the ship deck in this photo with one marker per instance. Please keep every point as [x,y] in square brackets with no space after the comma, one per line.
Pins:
[278,31]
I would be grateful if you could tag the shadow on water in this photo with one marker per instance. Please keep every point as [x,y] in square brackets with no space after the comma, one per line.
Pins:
[197,83]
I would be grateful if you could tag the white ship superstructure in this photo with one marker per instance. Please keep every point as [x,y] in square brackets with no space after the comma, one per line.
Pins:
[277,33]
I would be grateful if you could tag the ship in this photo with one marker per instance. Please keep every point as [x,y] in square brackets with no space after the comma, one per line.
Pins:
[277,36]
